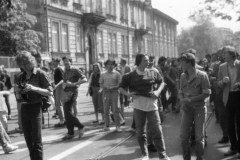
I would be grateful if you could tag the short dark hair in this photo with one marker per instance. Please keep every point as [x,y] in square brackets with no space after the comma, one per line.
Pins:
[110,60]
[161,59]
[67,58]
[151,58]
[139,58]
[231,51]
[188,58]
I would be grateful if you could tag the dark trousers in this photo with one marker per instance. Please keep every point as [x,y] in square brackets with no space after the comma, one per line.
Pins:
[173,98]
[32,126]
[233,111]
[7,104]
[124,100]
[71,120]
[222,113]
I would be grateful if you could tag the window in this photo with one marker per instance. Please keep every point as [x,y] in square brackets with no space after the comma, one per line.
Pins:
[109,43]
[114,43]
[78,39]
[64,37]
[126,45]
[132,13]
[55,36]
[113,7]
[99,5]
[100,42]
[123,45]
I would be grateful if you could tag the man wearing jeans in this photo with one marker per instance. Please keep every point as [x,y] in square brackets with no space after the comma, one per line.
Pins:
[194,89]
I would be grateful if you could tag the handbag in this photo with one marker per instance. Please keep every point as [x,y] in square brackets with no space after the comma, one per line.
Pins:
[45,103]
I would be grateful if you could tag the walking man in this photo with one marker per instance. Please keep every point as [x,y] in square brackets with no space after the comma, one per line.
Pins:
[194,89]
[229,80]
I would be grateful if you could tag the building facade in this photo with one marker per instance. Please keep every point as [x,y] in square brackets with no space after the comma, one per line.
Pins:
[94,30]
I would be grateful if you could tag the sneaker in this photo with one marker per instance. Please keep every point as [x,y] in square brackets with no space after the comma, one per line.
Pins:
[130,129]
[105,129]
[68,136]
[123,123]
[230,153]
[118,129]
[9,148]
[145,158]
[81,132]
[102,122]
[96,121]
[166,158]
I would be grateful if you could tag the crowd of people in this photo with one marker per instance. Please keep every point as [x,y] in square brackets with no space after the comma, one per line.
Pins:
[171,85]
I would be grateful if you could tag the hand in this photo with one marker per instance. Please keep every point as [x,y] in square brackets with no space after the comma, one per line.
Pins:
[226,79]
[185,101]
[155,95]
[64,85]
[132,94]
[236,86]
[29,87]
[100,90]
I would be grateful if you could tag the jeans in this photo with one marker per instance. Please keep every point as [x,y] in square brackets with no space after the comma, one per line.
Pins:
[197,115]
[71,120]
[4,138]
[32,129]
[233,112]
[58,103]
[124,100]
[7,104]
[153,119]
[110,101]
[97,100]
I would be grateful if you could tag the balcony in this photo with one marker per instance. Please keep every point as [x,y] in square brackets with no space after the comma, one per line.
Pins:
[141,31]
[141,3]
[94,17]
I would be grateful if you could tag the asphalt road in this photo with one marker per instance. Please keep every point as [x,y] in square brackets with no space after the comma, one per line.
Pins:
[110,145]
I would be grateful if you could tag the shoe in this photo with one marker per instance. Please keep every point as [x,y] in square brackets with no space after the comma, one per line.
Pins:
[224,140]
[81,132]
[123,123]
[59,124]
[130,129]
[105,129]
[68,136]
[118,129]
[152,148]
[145,158]
[102,122]
[18,130]
[9,148]
[96,121]
[166,158]
[230,153]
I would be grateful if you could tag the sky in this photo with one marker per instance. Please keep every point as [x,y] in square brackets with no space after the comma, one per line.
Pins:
[181,9]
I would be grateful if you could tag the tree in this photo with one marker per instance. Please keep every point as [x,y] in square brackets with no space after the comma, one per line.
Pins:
[203,37]
[15,29]
[225,9]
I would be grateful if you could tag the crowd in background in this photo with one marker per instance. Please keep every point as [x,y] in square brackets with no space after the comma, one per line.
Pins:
[153,87]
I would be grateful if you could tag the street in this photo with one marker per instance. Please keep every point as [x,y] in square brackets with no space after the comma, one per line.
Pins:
[106,145]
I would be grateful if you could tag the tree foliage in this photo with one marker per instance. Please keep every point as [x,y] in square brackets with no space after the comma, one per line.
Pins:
[225,9]
[203,37]
[15,29]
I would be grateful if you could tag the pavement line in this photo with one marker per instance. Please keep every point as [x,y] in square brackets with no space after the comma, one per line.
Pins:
[108,151]
[76,147]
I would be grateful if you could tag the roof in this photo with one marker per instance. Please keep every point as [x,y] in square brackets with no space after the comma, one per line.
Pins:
[158,12]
